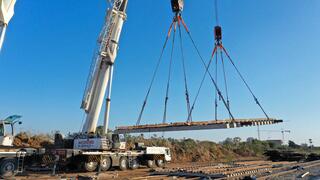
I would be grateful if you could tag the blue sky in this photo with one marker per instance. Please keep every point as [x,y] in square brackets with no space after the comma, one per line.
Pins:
[49,45]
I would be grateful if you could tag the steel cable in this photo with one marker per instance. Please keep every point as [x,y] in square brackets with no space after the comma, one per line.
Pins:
[169,76]
[245,82]
[206,72]
[184,74]
[154,75]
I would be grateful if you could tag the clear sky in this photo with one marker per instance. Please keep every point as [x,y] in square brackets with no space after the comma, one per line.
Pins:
[49,45]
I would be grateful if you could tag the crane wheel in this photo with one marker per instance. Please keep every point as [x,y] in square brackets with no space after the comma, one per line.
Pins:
[7,168]
[160,162]
[90,166]
[151,163]
[123,163]
[106,163]
[134,164]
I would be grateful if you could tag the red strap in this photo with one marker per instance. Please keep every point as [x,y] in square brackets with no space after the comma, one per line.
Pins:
[170,28]
[184,24]
[175,26]
[214,51]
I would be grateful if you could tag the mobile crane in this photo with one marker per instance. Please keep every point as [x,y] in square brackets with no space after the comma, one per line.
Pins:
[107,149]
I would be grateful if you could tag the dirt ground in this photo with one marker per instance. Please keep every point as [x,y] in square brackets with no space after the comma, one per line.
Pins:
[139,174]
[144,173]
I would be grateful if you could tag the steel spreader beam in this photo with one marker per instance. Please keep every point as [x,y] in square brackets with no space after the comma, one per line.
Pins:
[199,125]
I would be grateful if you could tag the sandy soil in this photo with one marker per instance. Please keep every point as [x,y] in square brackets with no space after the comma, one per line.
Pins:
[144,173]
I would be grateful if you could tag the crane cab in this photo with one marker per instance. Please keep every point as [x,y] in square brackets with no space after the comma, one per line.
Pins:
[118,141]
[6,133]
[7,130]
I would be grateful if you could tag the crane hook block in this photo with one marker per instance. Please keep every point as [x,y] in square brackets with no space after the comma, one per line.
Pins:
[177,5]
[218,33]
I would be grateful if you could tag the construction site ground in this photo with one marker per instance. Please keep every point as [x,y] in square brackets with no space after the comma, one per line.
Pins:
[260,169]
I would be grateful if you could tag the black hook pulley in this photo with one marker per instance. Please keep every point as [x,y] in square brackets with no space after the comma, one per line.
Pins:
[218,34]
[177,5]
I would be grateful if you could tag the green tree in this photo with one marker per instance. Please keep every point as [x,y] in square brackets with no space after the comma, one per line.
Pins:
[293,144]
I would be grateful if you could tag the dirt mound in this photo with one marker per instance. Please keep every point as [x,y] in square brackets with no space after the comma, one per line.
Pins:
[24,139]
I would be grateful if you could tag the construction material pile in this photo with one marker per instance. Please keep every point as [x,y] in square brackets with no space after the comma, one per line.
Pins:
[216,170]
[242,170]
[289,155]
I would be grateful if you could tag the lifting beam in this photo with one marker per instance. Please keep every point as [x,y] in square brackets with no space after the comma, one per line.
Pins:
[199,125]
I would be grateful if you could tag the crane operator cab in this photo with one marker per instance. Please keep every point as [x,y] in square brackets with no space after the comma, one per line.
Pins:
[7,130]
[118,141]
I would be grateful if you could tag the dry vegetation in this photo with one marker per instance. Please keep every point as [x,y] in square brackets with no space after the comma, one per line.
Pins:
[189,150]
[26,139]
[182,150]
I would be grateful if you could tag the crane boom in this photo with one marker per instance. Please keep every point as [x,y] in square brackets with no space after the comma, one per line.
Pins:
[6,13]
[102,67]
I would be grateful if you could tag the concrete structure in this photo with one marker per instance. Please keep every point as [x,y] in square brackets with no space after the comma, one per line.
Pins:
[200,125]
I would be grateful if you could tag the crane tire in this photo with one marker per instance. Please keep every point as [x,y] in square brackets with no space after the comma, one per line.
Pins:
[150,163]
[90,166]
[123,163]
[160,163]
[106,164]
[134,164]
[8,167]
